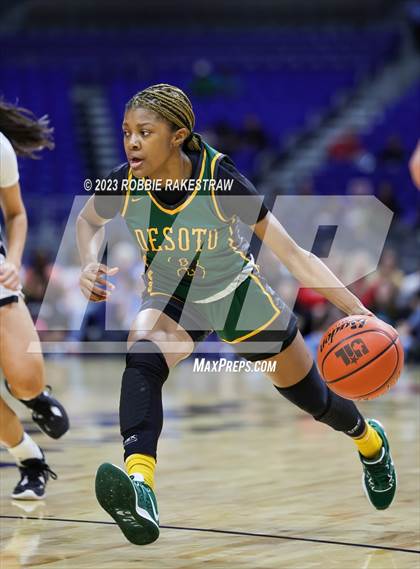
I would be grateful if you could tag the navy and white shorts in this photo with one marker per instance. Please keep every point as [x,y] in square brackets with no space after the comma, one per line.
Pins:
[6,294]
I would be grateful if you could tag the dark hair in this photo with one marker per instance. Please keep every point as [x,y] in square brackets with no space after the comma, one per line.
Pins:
[172,104]
[27,134]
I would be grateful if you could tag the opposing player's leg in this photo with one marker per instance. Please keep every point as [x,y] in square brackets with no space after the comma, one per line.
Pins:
[25,371]
[28,456]
[155,345]
[296,378]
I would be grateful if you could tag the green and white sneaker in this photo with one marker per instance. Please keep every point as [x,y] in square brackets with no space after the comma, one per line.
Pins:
[379,475]
[130,501]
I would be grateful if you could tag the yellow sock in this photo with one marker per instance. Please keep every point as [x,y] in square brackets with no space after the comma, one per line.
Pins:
[370,443]
[142,464]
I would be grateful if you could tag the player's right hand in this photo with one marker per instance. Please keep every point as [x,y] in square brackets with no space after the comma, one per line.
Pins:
[92,276]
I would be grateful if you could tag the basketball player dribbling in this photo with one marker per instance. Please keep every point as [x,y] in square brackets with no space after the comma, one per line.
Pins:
[21,133]
[185,298]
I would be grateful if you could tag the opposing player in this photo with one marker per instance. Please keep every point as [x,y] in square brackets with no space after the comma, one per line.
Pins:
[415,166]
[200,278]
[21,133]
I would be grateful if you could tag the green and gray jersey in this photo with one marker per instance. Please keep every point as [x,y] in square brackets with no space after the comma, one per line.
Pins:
[190,249]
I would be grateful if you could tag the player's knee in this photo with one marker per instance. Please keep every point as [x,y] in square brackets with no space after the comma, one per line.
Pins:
[146,356]
[27,382]
[174,346]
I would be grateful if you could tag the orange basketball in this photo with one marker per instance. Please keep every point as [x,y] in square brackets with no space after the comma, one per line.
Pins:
[360,357]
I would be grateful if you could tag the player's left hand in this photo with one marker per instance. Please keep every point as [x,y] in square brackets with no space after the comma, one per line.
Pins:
[9,276]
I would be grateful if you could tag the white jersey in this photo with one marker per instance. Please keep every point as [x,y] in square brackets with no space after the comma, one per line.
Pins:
[9,173]
[9,176]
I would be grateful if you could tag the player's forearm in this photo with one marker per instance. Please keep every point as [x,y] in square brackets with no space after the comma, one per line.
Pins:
[16,229]
[89,240]
[311,272]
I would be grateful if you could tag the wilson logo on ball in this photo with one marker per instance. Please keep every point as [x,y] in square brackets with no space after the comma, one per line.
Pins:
[352,324]
[350,353]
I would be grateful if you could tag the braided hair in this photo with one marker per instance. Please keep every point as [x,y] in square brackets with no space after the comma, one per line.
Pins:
[172,104]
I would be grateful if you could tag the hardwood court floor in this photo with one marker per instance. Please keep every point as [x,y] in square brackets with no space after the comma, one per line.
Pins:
[244,481]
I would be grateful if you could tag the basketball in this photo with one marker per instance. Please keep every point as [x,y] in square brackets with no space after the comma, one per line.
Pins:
[360,357]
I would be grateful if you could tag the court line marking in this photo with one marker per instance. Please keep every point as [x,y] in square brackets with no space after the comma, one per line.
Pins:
[227,532]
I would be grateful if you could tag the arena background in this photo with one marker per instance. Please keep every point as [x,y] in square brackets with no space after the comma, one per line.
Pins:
[308,98]
[305,100]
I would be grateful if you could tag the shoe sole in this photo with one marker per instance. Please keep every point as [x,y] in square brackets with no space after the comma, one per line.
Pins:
[52,434]
[28,495]
[395,472]
[116,495]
